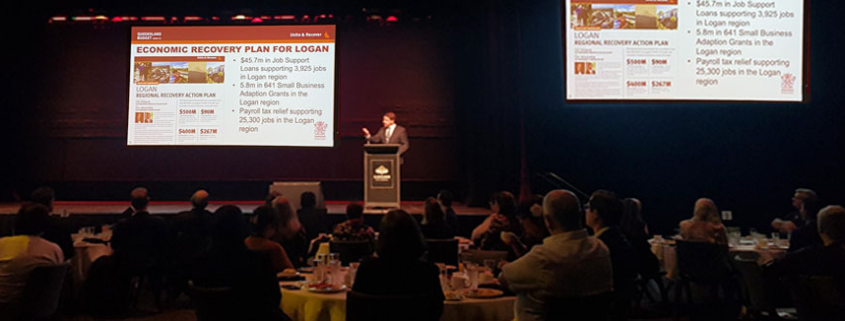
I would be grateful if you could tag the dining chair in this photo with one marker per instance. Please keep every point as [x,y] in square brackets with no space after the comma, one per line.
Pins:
[40,297]
[817,297]
[478,256]
[708,267]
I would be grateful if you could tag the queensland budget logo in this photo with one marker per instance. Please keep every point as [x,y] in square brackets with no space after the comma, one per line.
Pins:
[382,174]
[320,130]
[787,83]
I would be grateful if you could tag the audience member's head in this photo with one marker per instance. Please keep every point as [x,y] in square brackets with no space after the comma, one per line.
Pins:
[810,208]
[801,195]
[445,198]
[562,211]
[531,207]
[632,222]
[139,198]
[200,199]
[831,223]
[270,197]
[705,210]
[433,212]
[308,200]
[266,221]
[284,209]
[604,209]
[229,228]
[32,219]
[354,211]
[44,196]
[503,203]
[400,237]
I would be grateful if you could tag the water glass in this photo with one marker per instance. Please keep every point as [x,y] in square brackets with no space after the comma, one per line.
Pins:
[472,275]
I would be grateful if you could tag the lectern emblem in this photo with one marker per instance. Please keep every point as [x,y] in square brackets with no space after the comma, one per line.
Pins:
[382,174]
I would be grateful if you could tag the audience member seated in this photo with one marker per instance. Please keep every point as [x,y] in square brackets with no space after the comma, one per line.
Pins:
[827,258]
[445,199]
[434,224]
[229,265]
[807,234]
[354,228]
[190,235]
[635,230]
[140,241]
[290,233]
[313,219]
[22,253]
[57,231]
[569,263]
[266,224]
[793,220]
[488,235]
[398,269]
[531,220]
[705,225]
[604,211]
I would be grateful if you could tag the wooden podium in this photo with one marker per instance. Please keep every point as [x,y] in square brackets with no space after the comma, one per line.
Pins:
[381,176]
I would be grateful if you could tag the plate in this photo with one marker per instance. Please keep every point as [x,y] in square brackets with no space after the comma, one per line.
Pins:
[327,289]
[483,293]
[284,275]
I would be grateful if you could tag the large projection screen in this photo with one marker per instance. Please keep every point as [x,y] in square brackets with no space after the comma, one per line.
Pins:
[232,86]
[685,50]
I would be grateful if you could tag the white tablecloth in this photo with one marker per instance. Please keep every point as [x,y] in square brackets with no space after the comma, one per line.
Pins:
[665,252]
[302,305]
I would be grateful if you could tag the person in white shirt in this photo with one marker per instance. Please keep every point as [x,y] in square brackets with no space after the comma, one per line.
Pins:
[569,263]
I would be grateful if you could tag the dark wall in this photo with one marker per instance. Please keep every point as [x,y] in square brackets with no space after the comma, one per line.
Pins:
[748,157]
[80,112]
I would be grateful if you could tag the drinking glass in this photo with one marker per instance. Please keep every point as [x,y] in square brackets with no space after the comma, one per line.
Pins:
[472,275]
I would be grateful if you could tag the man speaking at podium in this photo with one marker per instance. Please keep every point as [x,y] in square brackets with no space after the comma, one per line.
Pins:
[390,133]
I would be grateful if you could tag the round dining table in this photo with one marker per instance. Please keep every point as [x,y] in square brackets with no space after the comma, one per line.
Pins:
[304,305]
[664,250]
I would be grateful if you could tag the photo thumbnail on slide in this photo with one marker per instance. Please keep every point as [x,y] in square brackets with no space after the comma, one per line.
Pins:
[684,50]
[232,86]
[159,70]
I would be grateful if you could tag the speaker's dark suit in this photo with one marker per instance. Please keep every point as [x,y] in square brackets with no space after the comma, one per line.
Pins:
[399,136]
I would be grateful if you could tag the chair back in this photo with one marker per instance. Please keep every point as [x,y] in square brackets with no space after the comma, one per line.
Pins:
[817,297]
[478,256]
[756,292]
[442,251]
[361,307]
[703,263]
[351,251]
[595,307]
[214,303]
[40,297]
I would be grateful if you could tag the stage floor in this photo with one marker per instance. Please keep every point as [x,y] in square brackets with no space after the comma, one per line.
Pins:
[168,208]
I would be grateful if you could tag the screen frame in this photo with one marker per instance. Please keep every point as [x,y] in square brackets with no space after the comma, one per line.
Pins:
[805,88]
[335,102]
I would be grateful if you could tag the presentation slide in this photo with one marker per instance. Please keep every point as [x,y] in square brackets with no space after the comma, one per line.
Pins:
[232,86]
[684,50]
